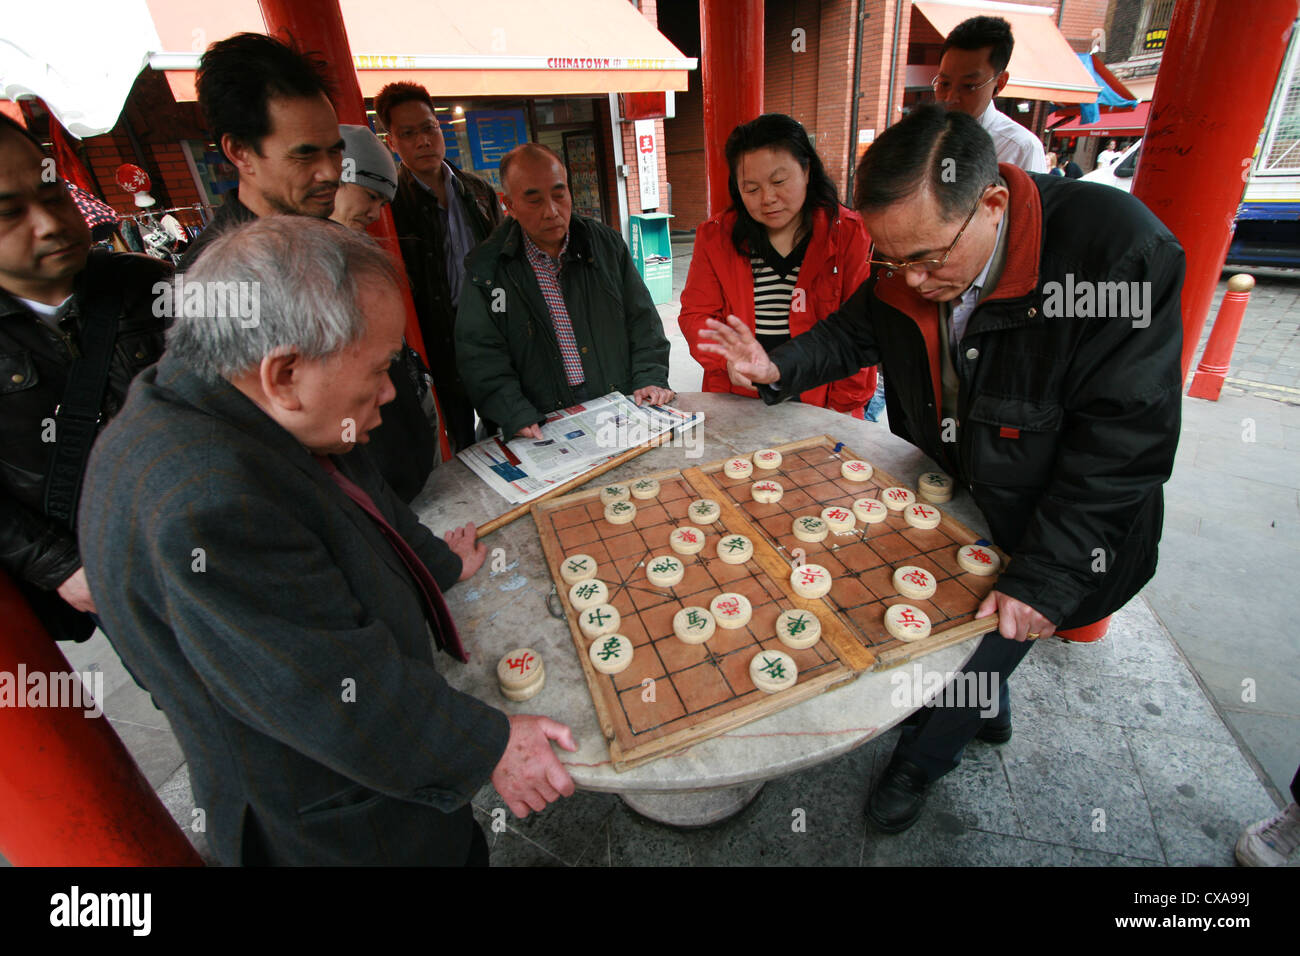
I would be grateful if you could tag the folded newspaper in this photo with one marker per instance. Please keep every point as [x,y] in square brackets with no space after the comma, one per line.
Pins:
[574,441]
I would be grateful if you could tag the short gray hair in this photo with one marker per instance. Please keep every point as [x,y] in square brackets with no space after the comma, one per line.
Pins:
[304,276]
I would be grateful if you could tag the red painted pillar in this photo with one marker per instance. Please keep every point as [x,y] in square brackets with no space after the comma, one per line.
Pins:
[70,794]
[1203,129]
[731,67]
[318,26]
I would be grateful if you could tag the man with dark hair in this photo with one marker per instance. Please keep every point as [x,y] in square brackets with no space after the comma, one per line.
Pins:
[440,213]
[972,71]
[270,112]
[75,328]
[1031,332]
[268,108]
[553,311]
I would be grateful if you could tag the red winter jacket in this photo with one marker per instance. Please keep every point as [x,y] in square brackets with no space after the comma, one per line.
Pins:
[721,283]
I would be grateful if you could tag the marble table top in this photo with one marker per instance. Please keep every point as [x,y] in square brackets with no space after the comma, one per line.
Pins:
[501,609]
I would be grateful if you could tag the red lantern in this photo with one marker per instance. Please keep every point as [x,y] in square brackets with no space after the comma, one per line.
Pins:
[133,179]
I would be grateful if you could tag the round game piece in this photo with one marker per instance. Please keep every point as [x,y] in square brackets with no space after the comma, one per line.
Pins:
[915,583]
[810,528]
[577,567]
[934,487]
[687,540]
[693,625]
[921,515]
[798,629]
[599,620]
[738,468]
[767,459]
[610,654]
[773,671]
[978,559]
[810,580]
[612,493]
[704,511]
[907,623]
[588,593]
[645,489]
[839,519]
[870,510]
[856,470]
[896,498]
[519,668]
[620,512]
[766,492]
[663,571]
[735,549]
[731,611]
[519,696]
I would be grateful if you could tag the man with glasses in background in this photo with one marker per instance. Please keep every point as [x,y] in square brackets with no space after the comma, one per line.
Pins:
[973,70]
[1059,414]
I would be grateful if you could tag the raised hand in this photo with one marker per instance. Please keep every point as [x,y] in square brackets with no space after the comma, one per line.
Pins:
[745,357]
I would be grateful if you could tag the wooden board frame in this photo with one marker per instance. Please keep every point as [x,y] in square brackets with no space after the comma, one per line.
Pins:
[840,635]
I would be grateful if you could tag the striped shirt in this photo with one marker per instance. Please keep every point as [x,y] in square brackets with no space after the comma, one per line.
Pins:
[775,278]
[547,271]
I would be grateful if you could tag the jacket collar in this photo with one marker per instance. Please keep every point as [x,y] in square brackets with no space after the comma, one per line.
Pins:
[508,243]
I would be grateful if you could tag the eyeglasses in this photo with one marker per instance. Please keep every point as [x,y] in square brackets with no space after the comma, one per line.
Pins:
[932,265]
[942,86]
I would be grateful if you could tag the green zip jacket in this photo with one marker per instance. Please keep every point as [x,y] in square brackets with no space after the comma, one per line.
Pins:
[506,346]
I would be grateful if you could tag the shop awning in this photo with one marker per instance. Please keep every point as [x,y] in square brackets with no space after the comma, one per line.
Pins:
[1119,123]
[1043,65]
[457,47]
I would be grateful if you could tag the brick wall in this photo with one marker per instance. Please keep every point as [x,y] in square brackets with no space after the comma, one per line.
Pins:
[1121,30]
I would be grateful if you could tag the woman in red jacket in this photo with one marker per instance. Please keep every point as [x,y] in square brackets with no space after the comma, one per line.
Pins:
[783,257]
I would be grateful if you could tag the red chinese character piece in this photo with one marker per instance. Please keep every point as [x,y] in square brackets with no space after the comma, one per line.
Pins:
[908,619]
[520,663]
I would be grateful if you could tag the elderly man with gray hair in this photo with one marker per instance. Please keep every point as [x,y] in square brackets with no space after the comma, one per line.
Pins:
[278,599]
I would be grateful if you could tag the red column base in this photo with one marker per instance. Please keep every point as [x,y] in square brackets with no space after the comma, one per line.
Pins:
[1088,633]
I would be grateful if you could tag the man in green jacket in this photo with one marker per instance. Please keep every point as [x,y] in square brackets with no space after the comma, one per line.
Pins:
[553,312]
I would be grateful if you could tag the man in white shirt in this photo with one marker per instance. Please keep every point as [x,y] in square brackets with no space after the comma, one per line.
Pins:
[972,71]
[1108,155]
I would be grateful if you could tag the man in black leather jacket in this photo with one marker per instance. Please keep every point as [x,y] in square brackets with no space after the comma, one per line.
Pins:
[1031,332]
[48,278]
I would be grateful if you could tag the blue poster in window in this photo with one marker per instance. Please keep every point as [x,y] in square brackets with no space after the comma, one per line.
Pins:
[492,134]
[452,140]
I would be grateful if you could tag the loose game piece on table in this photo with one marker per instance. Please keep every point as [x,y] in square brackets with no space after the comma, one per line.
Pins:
[897,498]
[915,583]
[798,629]
[693,625]
[599,620]
[935,487]
[907,623]
[664,571]
[612,493]
[611,654]
[766,492]
[521,674]
[870,510]
[577,567]
[735,549]
[645,489]
[773,671]
[839,519]
[811,581]
[921,515]
[738,468]
[704,511]
[767,459]
[978,559]
[687,540]
[810,528]
[856,470]
[731,611]
[620,512]
[588,593]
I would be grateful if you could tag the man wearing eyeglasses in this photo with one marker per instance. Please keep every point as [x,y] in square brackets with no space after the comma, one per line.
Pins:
[1059,415]
[973,70]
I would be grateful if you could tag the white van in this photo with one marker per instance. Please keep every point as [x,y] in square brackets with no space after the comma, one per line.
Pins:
[1119,173]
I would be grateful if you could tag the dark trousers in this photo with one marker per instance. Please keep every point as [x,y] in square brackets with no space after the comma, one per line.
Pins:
[936,739]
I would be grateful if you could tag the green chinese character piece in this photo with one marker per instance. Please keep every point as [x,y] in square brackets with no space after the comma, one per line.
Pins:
[611,648]
[796,625]
[774,667]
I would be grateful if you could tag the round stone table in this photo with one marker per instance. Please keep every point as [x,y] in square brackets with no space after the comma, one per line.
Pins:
[504,606]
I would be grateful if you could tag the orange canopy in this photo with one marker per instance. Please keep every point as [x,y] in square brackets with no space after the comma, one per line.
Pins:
[1043,65]
[455,47]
